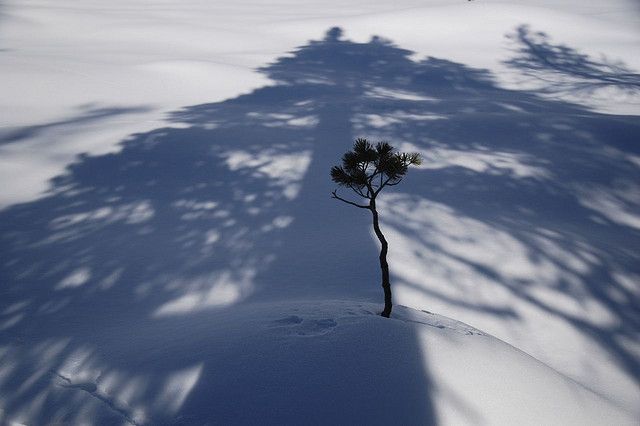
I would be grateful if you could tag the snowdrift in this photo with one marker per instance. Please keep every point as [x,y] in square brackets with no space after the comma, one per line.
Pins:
[305,362]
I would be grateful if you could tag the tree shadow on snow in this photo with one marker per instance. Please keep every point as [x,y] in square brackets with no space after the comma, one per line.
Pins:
[89,115]
[187,224]
[561,68]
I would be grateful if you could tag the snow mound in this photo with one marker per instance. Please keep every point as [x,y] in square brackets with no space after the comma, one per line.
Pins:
[305,362]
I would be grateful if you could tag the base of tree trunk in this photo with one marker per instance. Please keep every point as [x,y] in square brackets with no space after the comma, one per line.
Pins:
[387,311]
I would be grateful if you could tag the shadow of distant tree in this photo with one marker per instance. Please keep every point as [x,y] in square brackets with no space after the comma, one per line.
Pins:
[231,204]
[562,68]
[229,207]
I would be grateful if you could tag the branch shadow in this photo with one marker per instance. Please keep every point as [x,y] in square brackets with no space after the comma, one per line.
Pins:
[88,115]
[537,200]
[561,68]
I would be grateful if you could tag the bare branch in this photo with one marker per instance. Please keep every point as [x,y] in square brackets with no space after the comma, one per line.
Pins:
[382,185]
[373,175]
[334,195]
[362,194]
[358,191]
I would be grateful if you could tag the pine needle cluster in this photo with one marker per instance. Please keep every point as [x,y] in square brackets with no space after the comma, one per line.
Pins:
[368,168]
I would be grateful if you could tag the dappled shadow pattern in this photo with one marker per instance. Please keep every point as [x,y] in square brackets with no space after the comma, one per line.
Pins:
[232,205]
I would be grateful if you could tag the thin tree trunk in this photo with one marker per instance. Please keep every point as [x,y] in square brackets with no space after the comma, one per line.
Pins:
[384,266]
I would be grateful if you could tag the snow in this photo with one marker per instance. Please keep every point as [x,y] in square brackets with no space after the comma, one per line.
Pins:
[301,362]
[169,252]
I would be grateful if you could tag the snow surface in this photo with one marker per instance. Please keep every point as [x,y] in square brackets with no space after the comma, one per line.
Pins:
[169,253]
[297,362]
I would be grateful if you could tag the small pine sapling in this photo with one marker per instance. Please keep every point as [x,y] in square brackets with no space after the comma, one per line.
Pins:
[366,170]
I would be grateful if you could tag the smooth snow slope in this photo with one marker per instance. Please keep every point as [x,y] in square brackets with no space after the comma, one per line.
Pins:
[189,145]
[299,362]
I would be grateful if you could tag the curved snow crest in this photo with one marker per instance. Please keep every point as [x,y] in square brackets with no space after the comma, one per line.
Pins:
[302,362]
[473,377]
[431,319]
[480,379]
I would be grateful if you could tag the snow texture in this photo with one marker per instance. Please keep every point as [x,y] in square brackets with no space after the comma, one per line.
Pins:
[170,253]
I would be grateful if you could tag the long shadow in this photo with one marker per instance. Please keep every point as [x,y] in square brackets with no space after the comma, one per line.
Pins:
[186,226]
